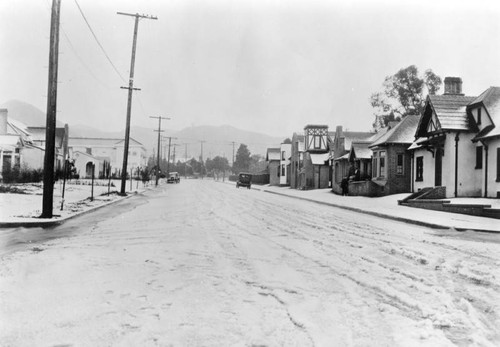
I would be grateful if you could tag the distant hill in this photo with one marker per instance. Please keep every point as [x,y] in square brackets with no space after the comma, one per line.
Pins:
[217,140]
[27,113]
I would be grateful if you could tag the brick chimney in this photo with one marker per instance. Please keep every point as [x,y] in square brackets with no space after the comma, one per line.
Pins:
[3,121]
[453,86]
[339,131]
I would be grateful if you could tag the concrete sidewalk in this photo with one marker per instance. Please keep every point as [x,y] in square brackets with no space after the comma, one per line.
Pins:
[387,207]
[22,210]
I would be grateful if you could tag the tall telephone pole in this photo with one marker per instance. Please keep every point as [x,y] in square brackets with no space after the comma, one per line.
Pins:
[185,163]
[173,160]
[159,144]
[50,132]
[201,158]
[233,152]
[168,158]
[129,103]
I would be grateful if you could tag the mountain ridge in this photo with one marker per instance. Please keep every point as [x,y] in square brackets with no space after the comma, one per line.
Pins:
[190,142]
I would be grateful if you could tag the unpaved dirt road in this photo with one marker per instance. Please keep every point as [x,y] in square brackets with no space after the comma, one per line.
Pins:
[202,263]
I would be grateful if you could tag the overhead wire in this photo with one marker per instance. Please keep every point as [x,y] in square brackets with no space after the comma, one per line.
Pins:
[73,49]
[98,42]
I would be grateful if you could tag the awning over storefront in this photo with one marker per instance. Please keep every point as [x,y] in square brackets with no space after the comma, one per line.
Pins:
[319,159]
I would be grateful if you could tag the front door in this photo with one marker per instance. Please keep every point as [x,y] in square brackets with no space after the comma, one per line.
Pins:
[438,167]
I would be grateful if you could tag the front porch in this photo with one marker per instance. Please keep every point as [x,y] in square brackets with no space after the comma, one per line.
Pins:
[433,199]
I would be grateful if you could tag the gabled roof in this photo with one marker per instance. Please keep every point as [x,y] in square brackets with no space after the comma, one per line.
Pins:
[16,127]
[38,135]
[273,154]
[99,142]
[490,98]
[451,110]
[10,142]
[80,153]
[18,130]
[402,133]
[360,150]
[356,136]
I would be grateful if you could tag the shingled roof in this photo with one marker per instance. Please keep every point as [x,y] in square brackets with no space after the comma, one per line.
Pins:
[356,136]
[360,150]
[451,110]
[490,98]
[401,133]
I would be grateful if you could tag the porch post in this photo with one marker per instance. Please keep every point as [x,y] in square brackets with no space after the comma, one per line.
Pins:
[319,176]
[485,170]
[412,168]
[457,138]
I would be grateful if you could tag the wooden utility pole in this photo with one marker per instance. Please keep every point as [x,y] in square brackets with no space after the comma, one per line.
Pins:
[50,132]
[173,160]
[232,165]
[168,157]
[159,144]
[129,103]
[185,163]
[201,158]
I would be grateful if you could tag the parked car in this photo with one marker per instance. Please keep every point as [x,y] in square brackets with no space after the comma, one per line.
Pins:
[244,180]
[173,177]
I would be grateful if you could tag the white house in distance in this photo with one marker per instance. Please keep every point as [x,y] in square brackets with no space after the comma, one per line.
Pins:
[17,147]
[107,152]
[286,152]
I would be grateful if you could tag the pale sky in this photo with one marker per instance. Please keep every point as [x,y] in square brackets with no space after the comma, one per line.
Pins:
[268,66]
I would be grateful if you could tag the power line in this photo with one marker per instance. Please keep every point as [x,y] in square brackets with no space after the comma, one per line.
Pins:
[81,60]
[97,40]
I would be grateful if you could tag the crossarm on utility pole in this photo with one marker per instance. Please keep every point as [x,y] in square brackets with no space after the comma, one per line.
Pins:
[129,103]
[159,144]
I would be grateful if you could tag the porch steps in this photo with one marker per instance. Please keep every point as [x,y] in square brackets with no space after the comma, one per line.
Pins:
[417,195]
[491,212]
[480,210]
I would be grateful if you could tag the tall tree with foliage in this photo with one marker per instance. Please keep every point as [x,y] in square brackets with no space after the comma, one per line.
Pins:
[243,159]
[217,166]
[403,94]
[221,164]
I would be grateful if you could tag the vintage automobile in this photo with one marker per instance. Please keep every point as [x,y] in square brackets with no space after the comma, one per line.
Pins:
[244,180]
[173,177]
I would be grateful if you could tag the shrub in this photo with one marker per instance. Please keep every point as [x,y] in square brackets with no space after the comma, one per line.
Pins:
[22,175]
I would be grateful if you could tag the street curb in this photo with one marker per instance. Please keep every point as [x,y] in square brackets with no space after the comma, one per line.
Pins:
[53,223]
[381,215]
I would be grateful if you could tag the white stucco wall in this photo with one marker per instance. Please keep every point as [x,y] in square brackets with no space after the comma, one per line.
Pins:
[493,185]
[81,160]
[428,171]
[469,178]
[485,120]
[287,148]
